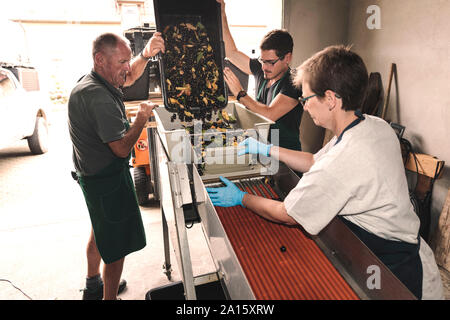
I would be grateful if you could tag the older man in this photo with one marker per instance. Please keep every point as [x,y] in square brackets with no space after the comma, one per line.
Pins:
[102,141]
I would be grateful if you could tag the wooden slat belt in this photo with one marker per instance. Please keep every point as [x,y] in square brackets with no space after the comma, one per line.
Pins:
[301,271]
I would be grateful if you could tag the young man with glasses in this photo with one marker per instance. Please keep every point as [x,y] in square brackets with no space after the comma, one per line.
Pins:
[276,97]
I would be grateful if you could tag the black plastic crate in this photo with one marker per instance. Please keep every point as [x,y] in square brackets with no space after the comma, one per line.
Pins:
[172,12]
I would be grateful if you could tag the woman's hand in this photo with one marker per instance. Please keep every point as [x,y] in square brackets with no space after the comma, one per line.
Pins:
[253,146]
[228,196]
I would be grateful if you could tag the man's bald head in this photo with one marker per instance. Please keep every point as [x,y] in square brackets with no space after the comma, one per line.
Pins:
[106,42]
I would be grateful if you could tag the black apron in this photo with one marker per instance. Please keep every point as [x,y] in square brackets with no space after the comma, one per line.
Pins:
[400,257]
[114,211]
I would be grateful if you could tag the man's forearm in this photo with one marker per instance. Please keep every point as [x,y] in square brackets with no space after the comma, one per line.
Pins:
[137,69]
[255,106]
[238,58]
[230,45]
[154,46]
[122,147]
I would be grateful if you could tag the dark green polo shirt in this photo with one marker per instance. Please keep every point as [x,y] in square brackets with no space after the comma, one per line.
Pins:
[288,125]
[96,117]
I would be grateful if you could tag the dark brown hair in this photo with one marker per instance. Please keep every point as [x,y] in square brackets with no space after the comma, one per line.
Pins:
[338,69]
[279,40]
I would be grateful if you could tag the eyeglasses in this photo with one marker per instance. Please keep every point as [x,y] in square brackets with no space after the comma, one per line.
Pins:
[304,100]
[271,62]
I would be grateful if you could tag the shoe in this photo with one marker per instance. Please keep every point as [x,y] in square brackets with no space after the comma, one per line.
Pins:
[97,292]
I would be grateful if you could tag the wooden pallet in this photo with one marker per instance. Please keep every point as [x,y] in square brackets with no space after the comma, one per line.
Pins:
[426,165]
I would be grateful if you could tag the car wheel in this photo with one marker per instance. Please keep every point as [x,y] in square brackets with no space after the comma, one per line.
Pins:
[141,185]
[38,142]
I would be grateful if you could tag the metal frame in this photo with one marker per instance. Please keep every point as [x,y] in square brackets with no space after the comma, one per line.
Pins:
[171,200]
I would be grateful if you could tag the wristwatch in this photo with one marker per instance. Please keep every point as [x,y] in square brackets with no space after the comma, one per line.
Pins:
[143,57]
[241,94]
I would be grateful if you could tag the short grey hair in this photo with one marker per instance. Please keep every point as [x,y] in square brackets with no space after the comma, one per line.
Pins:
[106,40]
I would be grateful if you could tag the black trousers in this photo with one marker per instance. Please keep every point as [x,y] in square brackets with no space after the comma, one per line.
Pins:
[400,257]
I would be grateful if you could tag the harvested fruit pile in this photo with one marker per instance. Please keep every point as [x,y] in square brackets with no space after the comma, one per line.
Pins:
[219,133]
[192,74]
[223,122]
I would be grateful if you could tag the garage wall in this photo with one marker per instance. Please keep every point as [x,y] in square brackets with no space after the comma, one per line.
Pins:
[415,35]
[313,26]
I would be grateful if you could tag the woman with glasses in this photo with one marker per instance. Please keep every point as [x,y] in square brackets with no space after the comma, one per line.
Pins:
[276,97]
[358,176]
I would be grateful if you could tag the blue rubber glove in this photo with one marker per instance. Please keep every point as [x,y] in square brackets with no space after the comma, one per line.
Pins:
[253,146]
[228,196]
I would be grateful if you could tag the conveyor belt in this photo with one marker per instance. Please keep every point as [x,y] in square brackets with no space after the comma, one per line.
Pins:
[280,262]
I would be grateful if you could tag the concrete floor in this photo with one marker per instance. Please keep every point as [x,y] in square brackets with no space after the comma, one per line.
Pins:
[45,227]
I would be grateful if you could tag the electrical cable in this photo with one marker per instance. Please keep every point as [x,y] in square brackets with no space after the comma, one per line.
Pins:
[6,280]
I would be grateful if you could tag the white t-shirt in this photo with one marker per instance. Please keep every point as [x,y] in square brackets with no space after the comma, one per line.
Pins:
[362,178]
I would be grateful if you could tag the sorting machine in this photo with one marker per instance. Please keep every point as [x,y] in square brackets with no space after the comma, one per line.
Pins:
[254,258]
